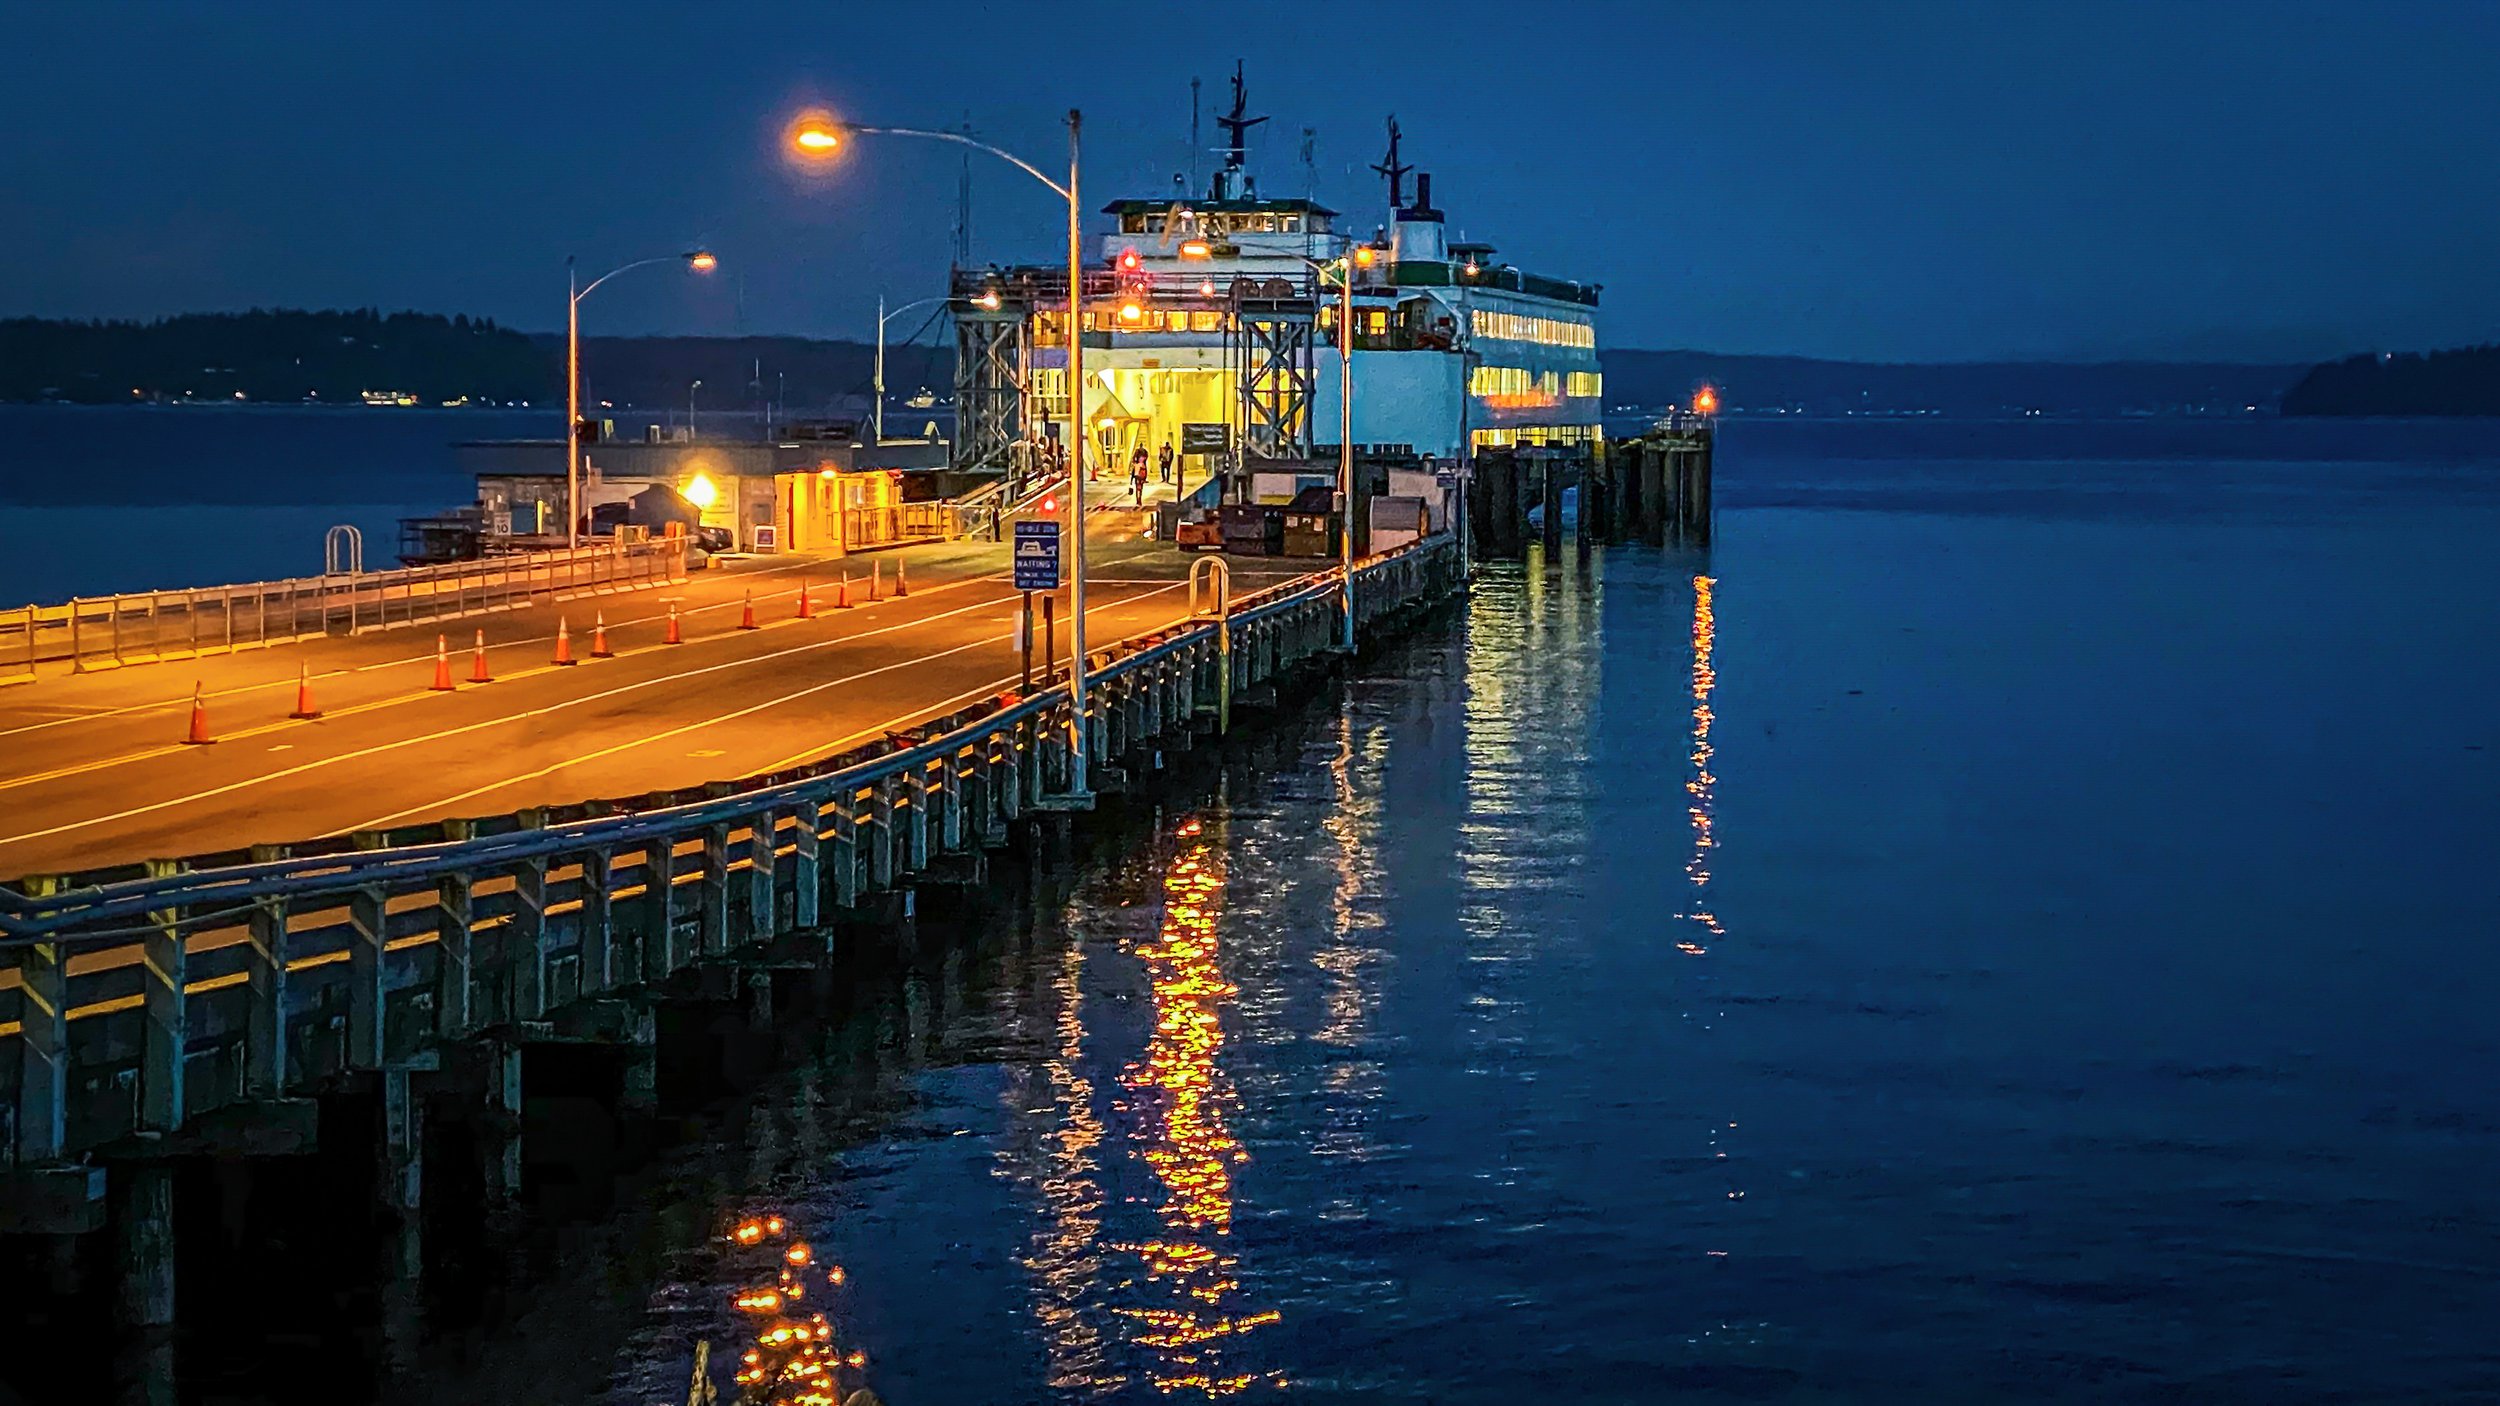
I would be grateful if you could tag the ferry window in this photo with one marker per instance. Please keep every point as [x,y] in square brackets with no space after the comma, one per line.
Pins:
[1375,322]
[1290,224]
[1154,224]
[1205,321]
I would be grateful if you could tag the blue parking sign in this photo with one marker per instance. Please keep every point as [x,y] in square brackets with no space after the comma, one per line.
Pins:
[1037,556]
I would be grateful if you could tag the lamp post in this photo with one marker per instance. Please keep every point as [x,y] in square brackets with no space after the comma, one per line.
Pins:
[1360,255]
[816,136]
[878,415]
[701,261]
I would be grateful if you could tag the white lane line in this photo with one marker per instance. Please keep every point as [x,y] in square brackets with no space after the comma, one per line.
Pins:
[990,689]
[126,758]
[526,714]
[168,704]
[437,807]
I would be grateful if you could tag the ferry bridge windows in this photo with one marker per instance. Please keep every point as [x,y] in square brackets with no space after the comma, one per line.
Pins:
[1523,327]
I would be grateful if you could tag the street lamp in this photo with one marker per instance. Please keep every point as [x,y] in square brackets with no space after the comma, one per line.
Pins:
[882,318]
[1359,256]
[701,261]
[818,137]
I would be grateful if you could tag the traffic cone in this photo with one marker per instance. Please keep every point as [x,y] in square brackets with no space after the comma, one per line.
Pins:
[442,664]
[303,693]
[807,608]
[199,720]
[564,643]
[477,662]
[876,578]
[842,597]
[673,636]
[599,638]
[746,620]
[902,587]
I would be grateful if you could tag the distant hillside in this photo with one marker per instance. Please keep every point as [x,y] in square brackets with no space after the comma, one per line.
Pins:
[1802,385]
[269,355]
[286,356]
[2465,381]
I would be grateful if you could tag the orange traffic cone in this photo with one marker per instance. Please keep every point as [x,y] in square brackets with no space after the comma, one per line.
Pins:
[842,597]
[303,693]
[442,664]
[876,578]
[901,587]
[564,643]
[807,608]
[599,638]
[674,636]
[746,619]
[199,720]
[477,662]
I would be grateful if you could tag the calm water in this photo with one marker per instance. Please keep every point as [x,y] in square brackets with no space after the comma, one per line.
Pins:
[2012,921]
[2002,925]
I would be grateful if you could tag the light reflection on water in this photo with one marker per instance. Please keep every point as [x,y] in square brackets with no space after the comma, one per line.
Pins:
[1747,978]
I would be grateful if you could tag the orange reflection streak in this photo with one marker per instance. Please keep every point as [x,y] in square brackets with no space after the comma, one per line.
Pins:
[1189,1143]
[1066,1259]
[793,1360]
[1702,789]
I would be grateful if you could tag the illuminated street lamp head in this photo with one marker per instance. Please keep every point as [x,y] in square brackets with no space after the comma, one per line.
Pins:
[814,135]
[987,301]
[701,261]
[1365,255]
[1705,401]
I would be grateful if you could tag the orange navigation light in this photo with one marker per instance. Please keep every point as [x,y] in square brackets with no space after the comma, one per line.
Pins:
[1705,401]
[1471,268]
[1196,249]
[702,261]
[1206,288]
[1129,261]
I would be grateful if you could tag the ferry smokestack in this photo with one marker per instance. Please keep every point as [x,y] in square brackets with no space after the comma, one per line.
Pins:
[1418,236]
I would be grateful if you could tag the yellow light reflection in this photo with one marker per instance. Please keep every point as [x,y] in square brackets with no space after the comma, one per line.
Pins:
[1189,1144]
[1701,790]
[791,1359]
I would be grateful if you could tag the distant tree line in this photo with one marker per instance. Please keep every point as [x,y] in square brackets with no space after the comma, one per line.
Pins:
[286,355]
[271,355]
[2463,381]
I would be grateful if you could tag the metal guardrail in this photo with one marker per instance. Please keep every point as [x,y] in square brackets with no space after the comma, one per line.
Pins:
[223,978]
[142,627]
[900,523]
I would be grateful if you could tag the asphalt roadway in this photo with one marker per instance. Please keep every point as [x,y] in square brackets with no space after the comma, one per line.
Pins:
[94,771]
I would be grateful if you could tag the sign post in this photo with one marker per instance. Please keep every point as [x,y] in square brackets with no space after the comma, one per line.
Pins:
[1036,569]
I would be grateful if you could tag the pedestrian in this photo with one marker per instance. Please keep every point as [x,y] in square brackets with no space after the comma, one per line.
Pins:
[1137,474]
[1166,460]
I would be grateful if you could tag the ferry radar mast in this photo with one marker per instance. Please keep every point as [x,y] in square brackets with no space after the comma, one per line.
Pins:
[1230,182]
[1394,169]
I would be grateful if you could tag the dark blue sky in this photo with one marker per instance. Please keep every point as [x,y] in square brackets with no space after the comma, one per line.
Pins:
[1903,180]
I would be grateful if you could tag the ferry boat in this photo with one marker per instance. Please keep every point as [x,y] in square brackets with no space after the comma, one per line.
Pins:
[1210,324]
